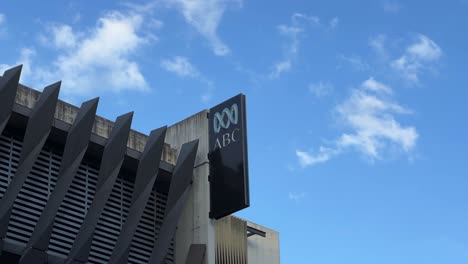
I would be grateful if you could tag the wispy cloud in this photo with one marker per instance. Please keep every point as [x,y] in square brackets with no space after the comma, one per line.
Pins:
[296,197]
[424,49]
[155,24]
[99,58]
[3,28]
[321,89]
[369,115]
[205,17]
[391,6]
[355,61]
[372,123]
[180,66]
[103,57]
[324,154]
[419,56]
[377,43]
[293,32]
[63,36]
[372,85]
[334,23]
[25,58]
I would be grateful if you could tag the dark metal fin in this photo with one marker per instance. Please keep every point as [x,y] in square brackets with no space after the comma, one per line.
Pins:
[75,148]
[8,86]
[112,159]
[178,194]
[146,176]
[37,131]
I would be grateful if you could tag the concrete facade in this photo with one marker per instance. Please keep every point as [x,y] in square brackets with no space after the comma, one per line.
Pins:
[66,113]
[34,194]
[261,250]
[195,227]
[231,240]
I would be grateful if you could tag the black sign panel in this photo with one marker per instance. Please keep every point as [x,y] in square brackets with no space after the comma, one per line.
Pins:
[229,175]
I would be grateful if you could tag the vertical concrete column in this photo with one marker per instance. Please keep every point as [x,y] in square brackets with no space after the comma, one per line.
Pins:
[195,227]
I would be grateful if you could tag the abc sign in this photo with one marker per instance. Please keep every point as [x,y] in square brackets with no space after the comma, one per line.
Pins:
[219,120]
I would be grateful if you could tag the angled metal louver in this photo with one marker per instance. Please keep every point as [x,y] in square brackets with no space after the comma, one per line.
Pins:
[145,178]
[112,160]
[148,231]
[37,131]
[70,216]
[178,194]
[72,210]
[75,148]
[8,87]
[58,205]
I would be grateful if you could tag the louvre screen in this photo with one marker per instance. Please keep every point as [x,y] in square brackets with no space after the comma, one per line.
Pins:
[40,183]
[231,241]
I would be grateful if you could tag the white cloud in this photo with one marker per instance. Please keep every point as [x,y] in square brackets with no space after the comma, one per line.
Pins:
[205,16]
[281,67]
[292,32]
[206,97]
[155,23]
[373,125]
[372,85]
[25,58]
[418,56]
[104,56]
[98,59]
[63,36]
[377,43]
[296,197]
[391,6]
[355,61]
[408,69]
[76,18]
[3,28]
[424,49]
[180,66]
[334,22]
[323,155]
[368,115]
[321,89]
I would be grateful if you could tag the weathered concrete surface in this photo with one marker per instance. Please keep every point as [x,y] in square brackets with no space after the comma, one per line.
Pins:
[195,227]
[231,240]
[102,127]
[262,250]
[191,128]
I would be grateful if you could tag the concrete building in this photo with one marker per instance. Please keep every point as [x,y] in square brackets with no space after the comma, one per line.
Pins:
[78,188]
[263,249]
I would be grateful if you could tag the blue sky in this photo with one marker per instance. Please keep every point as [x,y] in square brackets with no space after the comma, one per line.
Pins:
[355,109]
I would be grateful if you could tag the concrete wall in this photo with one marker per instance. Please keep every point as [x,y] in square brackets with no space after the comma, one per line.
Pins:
[262,250]
[195,226]
[231,240]
[66,112]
